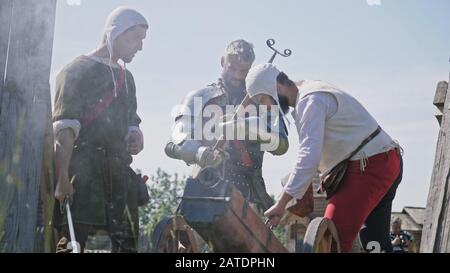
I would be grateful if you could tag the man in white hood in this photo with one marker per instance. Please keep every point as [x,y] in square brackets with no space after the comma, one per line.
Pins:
[331,126]
[96,131]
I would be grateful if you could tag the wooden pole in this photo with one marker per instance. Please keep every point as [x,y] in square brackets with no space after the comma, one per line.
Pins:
[436,228]
[25,132]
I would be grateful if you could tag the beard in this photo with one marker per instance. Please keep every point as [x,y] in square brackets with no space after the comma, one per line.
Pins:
[127,59]
[284,104]
[233,86]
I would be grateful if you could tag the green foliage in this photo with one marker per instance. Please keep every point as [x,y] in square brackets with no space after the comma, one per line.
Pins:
[165,191]
[280,231]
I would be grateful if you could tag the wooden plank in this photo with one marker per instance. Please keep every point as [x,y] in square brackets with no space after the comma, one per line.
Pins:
[229,224]
[440,95]
[24,120]
[225,220]
[5,20]
[260,232]
[443,239]
[45,237]
[439,99]
[240,230]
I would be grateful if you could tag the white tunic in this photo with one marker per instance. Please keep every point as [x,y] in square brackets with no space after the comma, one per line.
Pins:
[331,124]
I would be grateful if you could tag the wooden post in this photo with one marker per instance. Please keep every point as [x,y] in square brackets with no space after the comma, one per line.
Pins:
[25,123]
[436,228]
[439,99]
[5,20]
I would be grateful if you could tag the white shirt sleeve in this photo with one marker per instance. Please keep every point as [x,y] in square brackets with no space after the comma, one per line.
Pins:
[67,123]
[311,114]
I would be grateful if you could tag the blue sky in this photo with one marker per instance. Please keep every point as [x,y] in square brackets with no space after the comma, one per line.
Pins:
[390,55]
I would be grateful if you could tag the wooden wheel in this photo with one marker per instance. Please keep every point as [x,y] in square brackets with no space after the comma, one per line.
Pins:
[321,237]
[174,235]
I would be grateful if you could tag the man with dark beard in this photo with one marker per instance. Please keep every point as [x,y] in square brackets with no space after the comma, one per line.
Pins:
[334,127]
[245,159]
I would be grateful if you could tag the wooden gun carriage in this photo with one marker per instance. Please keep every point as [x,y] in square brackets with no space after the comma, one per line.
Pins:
[213,213]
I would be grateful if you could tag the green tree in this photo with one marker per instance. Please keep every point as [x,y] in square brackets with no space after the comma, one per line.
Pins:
[165,191]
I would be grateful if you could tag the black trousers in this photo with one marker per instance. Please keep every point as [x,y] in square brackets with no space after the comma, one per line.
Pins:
[378,224]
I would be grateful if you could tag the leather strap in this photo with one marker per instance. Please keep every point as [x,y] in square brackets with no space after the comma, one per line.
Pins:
[365,141]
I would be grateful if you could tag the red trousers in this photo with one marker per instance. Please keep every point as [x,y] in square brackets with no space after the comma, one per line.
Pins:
[361,192]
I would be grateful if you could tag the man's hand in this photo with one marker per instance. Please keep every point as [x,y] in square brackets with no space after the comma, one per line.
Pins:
[397,241]
[64,188]
[206,156]
[64,140]
[276,212]
[135,142]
